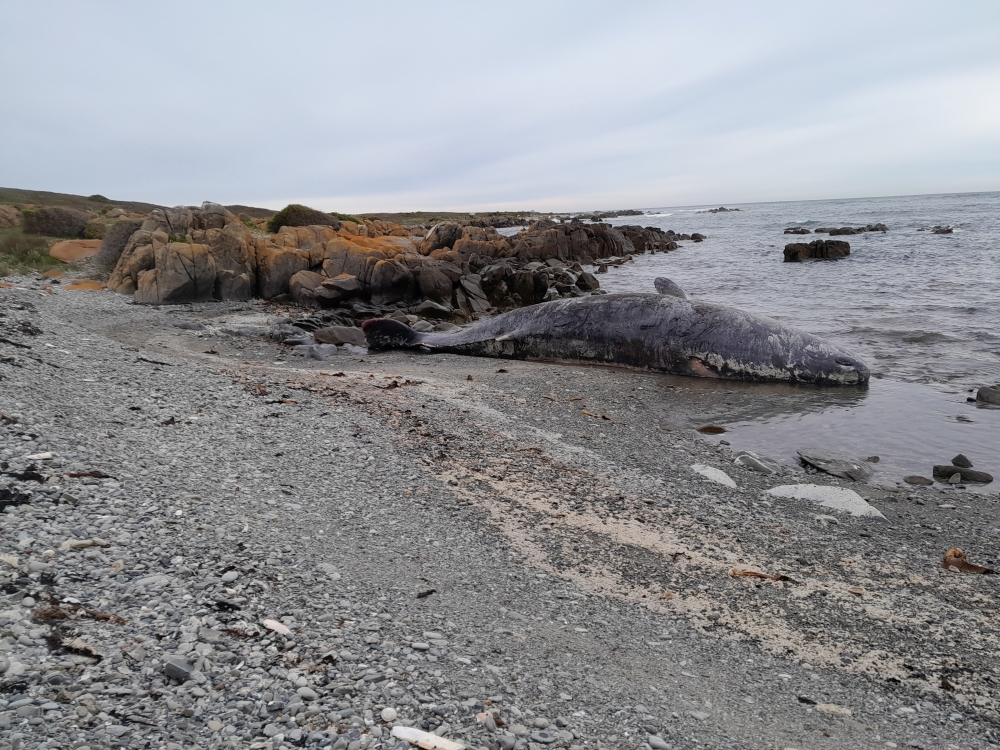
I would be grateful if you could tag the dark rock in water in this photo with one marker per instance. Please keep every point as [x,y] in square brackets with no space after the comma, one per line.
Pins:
[719,210]
[711,429]
[797,230]
[942,230]
[838,466]
[340,335]
[872,459]
[587,282]
[961,461]
[697,237]
[666,286]
[989,394]
[816,250]
[944,473]
[833,231]
[917,480]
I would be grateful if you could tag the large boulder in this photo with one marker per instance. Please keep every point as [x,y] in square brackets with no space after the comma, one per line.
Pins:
[302,287]
[340,335]
[434,283]
[389,282]
[570,242]
[440,236]
[9,217]
[816,250]
[276,266]
[182,272]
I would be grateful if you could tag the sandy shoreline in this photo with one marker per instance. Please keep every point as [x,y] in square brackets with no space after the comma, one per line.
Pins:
[553,509]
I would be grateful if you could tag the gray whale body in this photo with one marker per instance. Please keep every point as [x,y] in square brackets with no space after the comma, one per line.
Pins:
[646,331]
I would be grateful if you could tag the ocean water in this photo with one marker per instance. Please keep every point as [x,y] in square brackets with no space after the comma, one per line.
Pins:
[923,310]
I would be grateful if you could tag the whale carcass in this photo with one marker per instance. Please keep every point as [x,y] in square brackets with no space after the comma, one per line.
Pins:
[658,332]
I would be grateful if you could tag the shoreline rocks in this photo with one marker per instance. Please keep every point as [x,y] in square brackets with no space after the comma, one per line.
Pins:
[796,252]
[834,231]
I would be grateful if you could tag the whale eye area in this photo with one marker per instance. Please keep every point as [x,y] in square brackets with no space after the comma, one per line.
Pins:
[844,361]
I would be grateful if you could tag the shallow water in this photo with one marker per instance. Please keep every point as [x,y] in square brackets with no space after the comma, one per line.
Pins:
[921,309]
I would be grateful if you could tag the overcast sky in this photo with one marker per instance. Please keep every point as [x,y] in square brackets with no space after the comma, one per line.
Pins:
[475,105]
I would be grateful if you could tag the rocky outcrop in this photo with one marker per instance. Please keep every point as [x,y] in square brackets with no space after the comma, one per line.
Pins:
[797,230]
[9,217]
[719,210]
[816,250]
[834,231]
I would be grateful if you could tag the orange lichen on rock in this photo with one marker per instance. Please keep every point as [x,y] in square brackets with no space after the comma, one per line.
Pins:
[71,251]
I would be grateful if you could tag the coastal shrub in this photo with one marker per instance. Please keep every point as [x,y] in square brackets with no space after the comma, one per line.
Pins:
[296,215]
[95,230]
[20,253]
[55,222]
[115,240]
[345,217]
[97,198]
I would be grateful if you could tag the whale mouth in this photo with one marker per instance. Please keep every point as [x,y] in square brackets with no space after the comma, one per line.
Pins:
[844,362]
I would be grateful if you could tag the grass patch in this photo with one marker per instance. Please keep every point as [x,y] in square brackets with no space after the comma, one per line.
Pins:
[22,254]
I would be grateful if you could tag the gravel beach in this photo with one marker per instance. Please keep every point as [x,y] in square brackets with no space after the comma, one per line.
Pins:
[209,542]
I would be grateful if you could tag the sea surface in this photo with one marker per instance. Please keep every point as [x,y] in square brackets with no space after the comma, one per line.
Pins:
[922,309]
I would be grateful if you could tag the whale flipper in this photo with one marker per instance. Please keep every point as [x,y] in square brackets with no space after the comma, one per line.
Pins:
[666,286]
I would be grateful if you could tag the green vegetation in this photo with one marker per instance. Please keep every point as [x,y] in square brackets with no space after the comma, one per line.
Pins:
[346,217]
[296,215]
[115,240]
[55,222]
[95,230]
[20,254]
[97,198]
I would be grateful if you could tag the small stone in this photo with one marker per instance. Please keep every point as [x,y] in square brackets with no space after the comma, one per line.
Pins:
[699,715]
[545,738]
[518,730]
[657,743]
[388,714]
[541,723]
[230,576]
[918,480]
[214,725]
[178,669]
[961,461]
[307,693]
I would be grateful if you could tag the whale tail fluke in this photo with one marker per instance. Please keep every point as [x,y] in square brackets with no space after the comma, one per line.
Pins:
[386,333]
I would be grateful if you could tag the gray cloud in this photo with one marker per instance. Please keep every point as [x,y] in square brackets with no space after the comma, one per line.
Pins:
[471,105]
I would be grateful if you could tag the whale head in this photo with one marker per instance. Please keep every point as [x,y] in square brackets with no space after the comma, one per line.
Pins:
[828,364]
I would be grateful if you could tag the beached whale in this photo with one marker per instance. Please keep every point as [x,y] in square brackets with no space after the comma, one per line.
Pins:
[659,332]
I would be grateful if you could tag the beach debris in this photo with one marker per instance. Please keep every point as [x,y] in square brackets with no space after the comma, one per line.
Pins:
[39,457]
[833,709]
[424,594]
[711,429]
[961,461]
[424,739]
[837,465]
[917,480]
[835,498]
[954,559]
[756,462]
[277,627]
[715,475]
[80,647]
[945,473]
[736,573]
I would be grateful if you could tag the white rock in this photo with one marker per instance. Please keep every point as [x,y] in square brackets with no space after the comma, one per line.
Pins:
[835,498]
[716,475]
[277,627]
[330,570]
[388,714]
[230,576]
[40,457]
